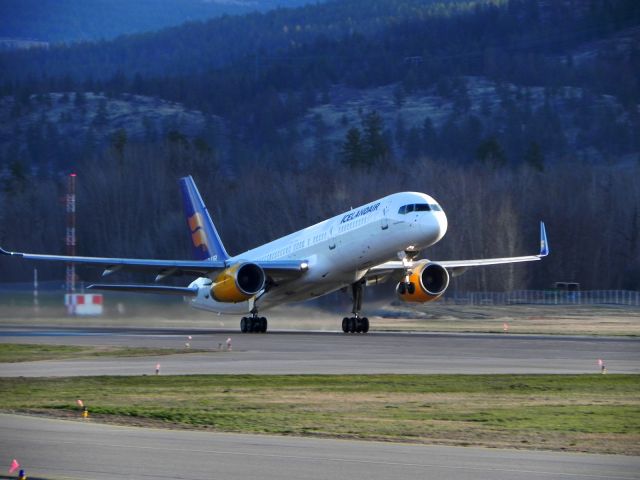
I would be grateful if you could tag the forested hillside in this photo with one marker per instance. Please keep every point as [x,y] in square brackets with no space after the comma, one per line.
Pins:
[56,21]
[508,112]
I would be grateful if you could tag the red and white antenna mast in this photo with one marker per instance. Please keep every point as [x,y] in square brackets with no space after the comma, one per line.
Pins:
[71,232]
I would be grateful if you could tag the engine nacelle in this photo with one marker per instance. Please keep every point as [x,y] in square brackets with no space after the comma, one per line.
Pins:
[238,283]
[427,282]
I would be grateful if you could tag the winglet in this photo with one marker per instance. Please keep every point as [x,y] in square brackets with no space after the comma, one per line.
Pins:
[204,236]
[4,252]
[544,244]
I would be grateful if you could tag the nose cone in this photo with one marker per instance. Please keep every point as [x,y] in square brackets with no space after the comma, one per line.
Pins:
[442,224]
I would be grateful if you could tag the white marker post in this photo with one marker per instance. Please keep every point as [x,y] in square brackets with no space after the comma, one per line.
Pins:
[157,369]
[36,302]
[505,327]
[229,344]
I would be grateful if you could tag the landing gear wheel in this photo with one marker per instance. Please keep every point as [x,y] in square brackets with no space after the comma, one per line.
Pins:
[358,325]
[253,324]
[402,288]
[411,288]
[345,325]
[365,325]
[352,325]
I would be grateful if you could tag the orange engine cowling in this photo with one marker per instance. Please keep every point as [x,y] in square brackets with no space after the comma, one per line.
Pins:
[238,283]
[427,282]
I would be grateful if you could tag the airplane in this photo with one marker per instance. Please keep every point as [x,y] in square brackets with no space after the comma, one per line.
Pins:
[367,245]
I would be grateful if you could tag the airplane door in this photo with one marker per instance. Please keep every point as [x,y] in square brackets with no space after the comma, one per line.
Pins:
[332,239]
[384,222]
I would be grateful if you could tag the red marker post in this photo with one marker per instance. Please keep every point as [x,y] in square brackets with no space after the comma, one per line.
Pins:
[505,327]
[14,466]
[603,367]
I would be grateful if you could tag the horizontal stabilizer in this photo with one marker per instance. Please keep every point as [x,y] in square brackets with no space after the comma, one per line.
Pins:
[157,289]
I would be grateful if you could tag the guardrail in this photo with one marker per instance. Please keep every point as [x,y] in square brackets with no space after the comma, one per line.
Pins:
[546,297]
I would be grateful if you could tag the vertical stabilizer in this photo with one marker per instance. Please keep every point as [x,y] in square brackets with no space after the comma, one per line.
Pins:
[204,236]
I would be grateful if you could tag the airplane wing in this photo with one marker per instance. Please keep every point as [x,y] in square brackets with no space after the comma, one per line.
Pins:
[163,268]
[458,267]
[277,269]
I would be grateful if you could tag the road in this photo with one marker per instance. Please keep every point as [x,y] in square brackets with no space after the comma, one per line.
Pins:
[50,448]
[327,353]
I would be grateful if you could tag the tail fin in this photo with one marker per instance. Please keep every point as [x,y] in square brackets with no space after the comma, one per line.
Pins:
[204,236]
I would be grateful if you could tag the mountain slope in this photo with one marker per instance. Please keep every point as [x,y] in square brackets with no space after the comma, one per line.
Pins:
[55,21]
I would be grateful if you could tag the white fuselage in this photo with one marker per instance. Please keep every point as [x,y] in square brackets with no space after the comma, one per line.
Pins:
[340,250]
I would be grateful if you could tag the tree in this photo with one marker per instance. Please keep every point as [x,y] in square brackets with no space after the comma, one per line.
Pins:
[80,99]
[534,156]
[429,137]
[399,95]
[491,153]
[119,141]
[17,179]
[352,149]
[101,115]
[375,146]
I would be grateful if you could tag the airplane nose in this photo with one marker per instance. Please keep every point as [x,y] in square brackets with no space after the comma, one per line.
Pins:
[442,224]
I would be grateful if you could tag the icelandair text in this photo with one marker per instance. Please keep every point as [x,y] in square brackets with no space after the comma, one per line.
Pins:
[363,211]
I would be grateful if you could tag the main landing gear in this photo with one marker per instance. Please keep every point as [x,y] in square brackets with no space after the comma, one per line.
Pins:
[253,324]
[356,324]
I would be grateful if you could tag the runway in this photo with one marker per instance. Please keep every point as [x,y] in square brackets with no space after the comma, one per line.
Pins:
[50,448]
[326,353]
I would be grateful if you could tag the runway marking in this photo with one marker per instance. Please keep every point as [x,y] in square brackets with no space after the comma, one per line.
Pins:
[367,462]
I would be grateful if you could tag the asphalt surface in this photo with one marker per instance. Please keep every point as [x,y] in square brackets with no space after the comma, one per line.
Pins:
[49,448]
[325,353]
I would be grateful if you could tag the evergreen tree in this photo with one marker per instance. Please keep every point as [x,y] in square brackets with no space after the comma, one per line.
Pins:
[101,115]
[352,149]
[375,146]
[491,153]
[534,156]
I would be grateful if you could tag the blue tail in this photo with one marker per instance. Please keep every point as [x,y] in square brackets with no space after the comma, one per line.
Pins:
[204,236]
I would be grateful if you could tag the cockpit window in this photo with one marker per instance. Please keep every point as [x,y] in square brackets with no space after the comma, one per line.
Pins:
[414,207]
[435,207]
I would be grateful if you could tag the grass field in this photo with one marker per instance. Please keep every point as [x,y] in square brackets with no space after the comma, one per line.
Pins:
[589,413]
[11,353]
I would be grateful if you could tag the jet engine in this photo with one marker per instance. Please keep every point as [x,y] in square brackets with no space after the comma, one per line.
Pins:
[427,282]
[238,283]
